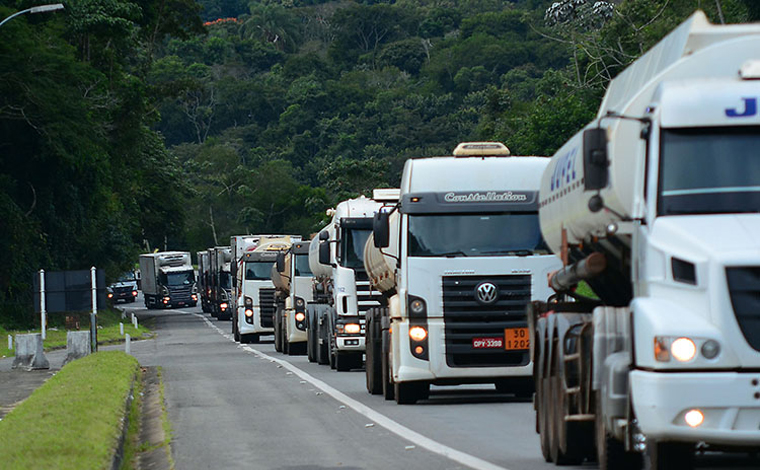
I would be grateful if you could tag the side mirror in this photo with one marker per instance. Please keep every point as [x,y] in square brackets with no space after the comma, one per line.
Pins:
[381,230]
[595,160]
[323,236]
[280,262]
[324,252]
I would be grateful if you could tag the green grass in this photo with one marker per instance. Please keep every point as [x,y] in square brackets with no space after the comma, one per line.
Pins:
[132,440]
[55,337]
[73,420]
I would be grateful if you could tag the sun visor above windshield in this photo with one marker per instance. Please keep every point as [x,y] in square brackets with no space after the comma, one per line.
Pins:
[470,201]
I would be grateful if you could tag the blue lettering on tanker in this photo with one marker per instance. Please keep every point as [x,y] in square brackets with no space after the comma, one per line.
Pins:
[750,109]
[564,172]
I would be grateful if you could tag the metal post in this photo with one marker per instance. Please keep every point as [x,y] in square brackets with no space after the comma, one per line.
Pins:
[94,315]
[121,329]
[128,344]
[43,314]
[10,342]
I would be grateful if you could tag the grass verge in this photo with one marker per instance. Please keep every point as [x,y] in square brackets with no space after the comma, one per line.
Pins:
[132,439]
[74,420]
[55,337]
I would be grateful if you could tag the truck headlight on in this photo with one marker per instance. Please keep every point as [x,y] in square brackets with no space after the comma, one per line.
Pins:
[300,317]
[352,328]
[223,306]
[684,349]
[417,333]
[694,418]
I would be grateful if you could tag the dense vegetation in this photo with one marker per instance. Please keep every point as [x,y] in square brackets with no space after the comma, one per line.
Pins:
[129,125]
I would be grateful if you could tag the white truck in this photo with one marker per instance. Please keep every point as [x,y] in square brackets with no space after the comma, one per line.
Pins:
[168,279]
[292,280]
[458,260]
[655,204]
[254,315]
[342,292]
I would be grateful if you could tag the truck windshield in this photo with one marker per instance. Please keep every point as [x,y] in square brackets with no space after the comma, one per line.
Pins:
[302,265]
[224,280]
[352,248]
[462,235]
[126,277]
[258,270]
[178,279]
[709,171]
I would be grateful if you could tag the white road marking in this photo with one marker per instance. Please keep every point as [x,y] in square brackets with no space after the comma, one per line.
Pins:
[382,420]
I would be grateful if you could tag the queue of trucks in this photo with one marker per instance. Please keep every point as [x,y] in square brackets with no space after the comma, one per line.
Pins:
[469,272]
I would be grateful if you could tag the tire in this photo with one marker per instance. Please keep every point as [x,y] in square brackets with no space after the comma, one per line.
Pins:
[235,332]
[277,331]
[567,446]
[610,453]
[374,371]
[311,341]
[408,393]
[669,456]
[388,390]
[543,417]
[323,349]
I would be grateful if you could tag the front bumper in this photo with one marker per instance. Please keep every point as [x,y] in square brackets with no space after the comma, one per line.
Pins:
[406,367]
[247,328]
[350,343]
[730,402]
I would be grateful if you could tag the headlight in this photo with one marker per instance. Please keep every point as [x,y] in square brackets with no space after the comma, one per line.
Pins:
[683,349]
[352,328]
[223,306]
[417,333]
[300,317]
[248,312]
[299,302]
[134,293]
[110,295]
[694,418]
[417,307]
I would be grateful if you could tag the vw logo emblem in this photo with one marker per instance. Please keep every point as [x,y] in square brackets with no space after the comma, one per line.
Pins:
[486,293]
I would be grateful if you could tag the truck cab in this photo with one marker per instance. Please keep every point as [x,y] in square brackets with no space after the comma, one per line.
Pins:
[293,280]
[256,302]
[462,257]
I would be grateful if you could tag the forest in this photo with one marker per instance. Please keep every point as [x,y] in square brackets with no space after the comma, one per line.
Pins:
[128,126]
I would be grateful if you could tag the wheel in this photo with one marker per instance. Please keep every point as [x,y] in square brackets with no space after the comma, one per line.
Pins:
[669,456]
[388,390]
[610,453]
[278,331]
[374,371]
[235,331]
[543,416]
[311,340]
[408,393]
[567,446]
[323,345]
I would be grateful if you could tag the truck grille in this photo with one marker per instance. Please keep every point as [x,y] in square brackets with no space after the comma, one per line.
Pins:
[181,293]
[744,288]
[267,305]
[465,318]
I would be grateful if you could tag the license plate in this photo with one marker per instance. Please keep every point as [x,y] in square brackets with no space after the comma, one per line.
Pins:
[516,339]
[488,343]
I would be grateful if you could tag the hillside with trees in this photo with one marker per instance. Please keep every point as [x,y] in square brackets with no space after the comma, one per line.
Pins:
[130,125]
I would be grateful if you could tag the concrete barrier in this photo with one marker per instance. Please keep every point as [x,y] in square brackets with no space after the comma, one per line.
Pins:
[77,345]
[29,353]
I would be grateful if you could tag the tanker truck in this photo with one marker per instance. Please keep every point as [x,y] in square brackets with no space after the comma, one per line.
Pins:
[255,308]
[292,281]
[655,205]
[458,259]
[342,293]
[168,279]
[204,289]
[220,282]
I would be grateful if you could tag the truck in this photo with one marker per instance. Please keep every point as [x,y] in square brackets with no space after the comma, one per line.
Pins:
[204,289]
[292,281]
[457,260]
[168,279]
[254,315]
[654,205]
[125,288]
[220,282]
[342,292]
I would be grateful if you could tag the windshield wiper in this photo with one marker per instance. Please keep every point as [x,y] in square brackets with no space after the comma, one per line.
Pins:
[452,254]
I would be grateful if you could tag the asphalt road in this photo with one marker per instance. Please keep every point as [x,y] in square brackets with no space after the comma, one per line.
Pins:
[246,406]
